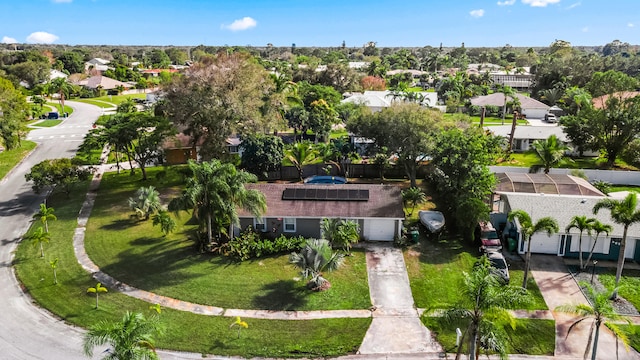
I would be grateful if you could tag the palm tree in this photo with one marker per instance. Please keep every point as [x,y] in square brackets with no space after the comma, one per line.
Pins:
[166,222]
[598,228]
[551,96]
[214,193]
[132,338]
[549,152]
[340,233]
[484,303]
[54,266]
[527,229]
[315,258]
[413,196]
[582,223]
[97,290]
[145,202]
[45,214]
[301,154]
[39,236]
[625,213]
[507,91]
[600,310]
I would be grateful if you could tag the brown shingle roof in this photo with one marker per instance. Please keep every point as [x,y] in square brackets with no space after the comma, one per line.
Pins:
[385,201]
[601,101]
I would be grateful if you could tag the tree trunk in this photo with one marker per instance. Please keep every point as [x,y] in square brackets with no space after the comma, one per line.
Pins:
[55,277]
[511,135]
[580,251]
[526,264]
[41,250]
[595,241]
[209,236]
[595,341]
[144,171]
[623,246]
[482,115]
[473,344]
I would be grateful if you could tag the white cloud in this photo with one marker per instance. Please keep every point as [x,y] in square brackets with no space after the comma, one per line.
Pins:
[630,25]
[61,1]
[9,40]
[41,37]
[574,5]
[241,24]
[585,29]
[540,3]
[477,13]
[506,2]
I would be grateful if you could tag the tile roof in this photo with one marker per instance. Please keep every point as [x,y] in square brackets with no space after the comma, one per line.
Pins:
[385,201]
[529,132]
[601,101]
[497,99]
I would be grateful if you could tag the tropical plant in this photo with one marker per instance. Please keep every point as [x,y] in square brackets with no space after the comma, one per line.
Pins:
[413,196]
[132,338]
[508,92]
[340,233]
[625,213]
[549,152]
[527,229]
[240,324]
[39,237]
[54,266]
[97,290]
[145,202]
[582,224]
[598,228]
[602,185]
[166,222]
[381,160]
[214,192]
[315,258]
[601,310]
[484,303]
[45,214]
[301,154]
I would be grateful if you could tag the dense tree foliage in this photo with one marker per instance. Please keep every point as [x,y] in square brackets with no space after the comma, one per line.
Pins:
[262,153]
[59,174]
[13,112]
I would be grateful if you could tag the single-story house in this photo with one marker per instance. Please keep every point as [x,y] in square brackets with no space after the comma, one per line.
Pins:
[531,108]
[525,135]
[103,82]
[378,100]
[298,209]
[156,72]
[601,101]
[55,74]
[97,64]
[572,197]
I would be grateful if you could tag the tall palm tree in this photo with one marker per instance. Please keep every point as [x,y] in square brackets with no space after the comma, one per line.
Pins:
[598,228]
[582,224]
[39,237]
[145,202]
[132,338]
[315,258]
[600,310]
[549,152]
[44,215]
[413,196]
[214,193]
[508,92]
[625,213]
[527,229]
[301,154]
[484,305]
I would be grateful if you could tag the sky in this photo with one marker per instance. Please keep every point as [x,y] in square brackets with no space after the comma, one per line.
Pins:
[476,23]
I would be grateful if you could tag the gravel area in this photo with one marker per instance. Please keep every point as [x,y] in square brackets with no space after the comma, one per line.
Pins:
[622,306]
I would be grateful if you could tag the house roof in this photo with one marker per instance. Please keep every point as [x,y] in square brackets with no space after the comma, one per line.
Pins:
[563,208]
[497,99]
[158,71]
[98,61]
[409,71]
[601,101]
[385,201]
[529,132]
[103,81]
[380,99]
[545,184]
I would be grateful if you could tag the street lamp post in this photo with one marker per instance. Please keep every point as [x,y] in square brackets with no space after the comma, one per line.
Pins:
[593,270]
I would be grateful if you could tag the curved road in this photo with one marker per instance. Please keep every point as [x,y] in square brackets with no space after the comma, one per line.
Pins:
[28,332]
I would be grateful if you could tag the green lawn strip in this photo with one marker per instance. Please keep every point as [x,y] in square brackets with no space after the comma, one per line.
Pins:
[91,157]
[10,158]
[629,287]
[616,188]
[527,159]
[531,336]
[491,120]
[100,104]
[117,99]
[634,339]
[435,273]
[184,331]
[48,123]
[67,109]
[136,253]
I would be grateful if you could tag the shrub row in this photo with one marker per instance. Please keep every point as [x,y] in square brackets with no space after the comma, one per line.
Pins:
[250,245]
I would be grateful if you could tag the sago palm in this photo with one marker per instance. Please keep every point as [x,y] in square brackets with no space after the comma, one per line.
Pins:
[316,257]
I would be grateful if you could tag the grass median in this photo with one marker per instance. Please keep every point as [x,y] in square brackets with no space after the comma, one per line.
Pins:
[10,158]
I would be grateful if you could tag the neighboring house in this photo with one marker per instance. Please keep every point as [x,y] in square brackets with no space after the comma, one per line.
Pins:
[525,135]
[530,108]
[518,78]
[233,145]
[55,74]
[414,73]
[178,149]
[378,100]
[298,209]
[601,101]
[103,83]
[97,64]
[156,72]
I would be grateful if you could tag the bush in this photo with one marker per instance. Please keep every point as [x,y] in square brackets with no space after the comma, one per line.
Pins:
[250,245]
[492,110]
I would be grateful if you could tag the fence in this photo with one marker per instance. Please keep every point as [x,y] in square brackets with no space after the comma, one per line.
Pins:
[370,171]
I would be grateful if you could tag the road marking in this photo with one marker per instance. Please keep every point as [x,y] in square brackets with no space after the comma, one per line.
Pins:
[72,141]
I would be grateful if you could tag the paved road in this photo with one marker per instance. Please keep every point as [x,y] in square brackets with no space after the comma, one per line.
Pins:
[27,332]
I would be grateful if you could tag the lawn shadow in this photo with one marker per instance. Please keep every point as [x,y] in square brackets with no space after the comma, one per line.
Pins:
[281,295]
[120,224]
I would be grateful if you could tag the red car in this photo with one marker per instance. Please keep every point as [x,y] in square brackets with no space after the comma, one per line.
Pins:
[487,235]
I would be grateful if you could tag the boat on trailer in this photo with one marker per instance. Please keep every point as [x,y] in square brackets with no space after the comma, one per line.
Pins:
[432,220]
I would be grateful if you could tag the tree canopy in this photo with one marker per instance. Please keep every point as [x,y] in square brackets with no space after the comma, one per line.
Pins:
[13,111]
[59,174]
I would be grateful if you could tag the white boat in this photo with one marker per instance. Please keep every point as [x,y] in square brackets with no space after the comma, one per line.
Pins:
[432,220]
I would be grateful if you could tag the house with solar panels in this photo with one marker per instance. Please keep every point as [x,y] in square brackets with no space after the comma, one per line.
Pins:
[298,209]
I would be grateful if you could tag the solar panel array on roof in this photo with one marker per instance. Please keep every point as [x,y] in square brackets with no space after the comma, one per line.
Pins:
[325,194]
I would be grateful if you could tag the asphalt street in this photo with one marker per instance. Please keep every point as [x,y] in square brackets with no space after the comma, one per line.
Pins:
[26,331]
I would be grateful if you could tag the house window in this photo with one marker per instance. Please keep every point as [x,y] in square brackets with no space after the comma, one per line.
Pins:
[233,149]
[259,224]
[289,224]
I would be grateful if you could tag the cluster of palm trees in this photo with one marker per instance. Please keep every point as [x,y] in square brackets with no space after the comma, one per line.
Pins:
[41,235]
[145,203]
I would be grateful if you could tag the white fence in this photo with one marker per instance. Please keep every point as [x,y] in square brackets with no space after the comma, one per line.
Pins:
[613,176]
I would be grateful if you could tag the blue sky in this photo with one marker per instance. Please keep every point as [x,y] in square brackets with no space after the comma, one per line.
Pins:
[320,23]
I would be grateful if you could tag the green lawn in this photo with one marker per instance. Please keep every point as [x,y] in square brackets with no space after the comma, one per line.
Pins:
[527,159]
[9,158]
[67,109]
[435,273]
[616,188]
[48,123]
[112,100]
[531,336]
[104,105]
[184,331]
[629,287]
[491,120]
[136,253]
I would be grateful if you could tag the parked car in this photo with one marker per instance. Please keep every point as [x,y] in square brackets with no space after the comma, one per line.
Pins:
[53,115]
[549,117]
[499,266]
[487,236]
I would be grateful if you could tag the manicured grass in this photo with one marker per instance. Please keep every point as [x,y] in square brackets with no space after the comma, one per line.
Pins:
[184,331]
[531,336]
[629,287]
[117,99]
[9,158]
[67,109]
[104,105]
[435,270]
[491,120]
[616,188]
[527,159]
[48,123]
[136,253]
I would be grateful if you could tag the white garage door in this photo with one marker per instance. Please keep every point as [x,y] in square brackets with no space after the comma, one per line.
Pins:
[542,244]
[379,230]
